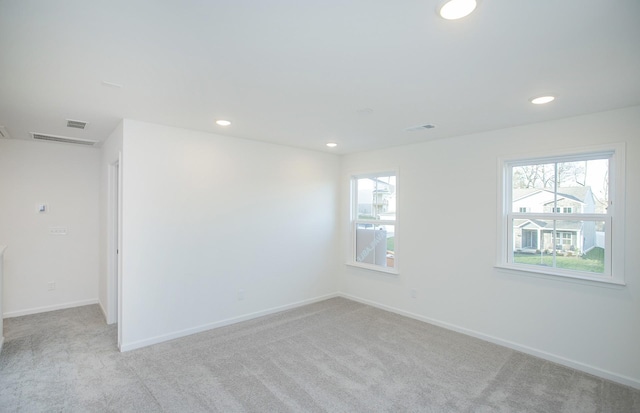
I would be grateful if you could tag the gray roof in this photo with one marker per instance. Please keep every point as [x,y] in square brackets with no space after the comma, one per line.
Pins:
[548,224]
[576,193]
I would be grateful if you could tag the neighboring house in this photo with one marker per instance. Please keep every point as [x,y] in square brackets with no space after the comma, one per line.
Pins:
[374,241]
[377,202]
[572,236]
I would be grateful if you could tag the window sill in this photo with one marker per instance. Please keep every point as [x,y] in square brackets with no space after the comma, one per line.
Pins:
[386,270]
[559,276]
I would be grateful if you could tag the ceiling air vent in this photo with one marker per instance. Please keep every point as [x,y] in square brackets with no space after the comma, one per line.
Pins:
[420,127]
[78,124]
[62,139]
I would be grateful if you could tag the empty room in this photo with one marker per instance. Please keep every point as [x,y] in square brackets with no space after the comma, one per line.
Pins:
[337,206]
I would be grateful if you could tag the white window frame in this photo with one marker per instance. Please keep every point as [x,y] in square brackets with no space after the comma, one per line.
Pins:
[353,221]
[613,218]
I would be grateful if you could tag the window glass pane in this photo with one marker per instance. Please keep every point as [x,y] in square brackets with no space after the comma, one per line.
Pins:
[597,179]
[375,244]
[563,187]
[533,187]
[580,245]
[376,197]
[583,186]
[568,244]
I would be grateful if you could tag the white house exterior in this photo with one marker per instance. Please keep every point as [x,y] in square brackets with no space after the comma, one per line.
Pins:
[571,236]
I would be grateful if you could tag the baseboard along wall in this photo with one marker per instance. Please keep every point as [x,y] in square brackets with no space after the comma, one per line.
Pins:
[618,378]
[45,309]
[605,374]
[199,329]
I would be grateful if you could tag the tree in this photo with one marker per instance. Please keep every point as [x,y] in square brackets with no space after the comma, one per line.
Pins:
[602,197]
[544,175]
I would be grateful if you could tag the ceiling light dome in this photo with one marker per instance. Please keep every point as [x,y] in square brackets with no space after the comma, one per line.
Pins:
[457,9]
[223,122]
[541,100]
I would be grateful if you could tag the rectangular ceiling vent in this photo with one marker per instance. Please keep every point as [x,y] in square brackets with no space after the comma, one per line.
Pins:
[62,139]
[78,124]
[3,133]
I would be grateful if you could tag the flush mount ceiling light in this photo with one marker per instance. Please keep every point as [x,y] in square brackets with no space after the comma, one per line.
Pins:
[332,144]
[457,9]
[541,100]
[222,122]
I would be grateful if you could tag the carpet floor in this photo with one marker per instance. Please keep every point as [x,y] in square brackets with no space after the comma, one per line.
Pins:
[333,356]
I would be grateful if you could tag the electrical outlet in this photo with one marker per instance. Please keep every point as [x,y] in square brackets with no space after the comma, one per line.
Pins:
[414,293]
[240,294]
[51,285]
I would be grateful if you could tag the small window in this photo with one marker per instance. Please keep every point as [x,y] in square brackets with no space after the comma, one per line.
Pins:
[539,192]
[374,216]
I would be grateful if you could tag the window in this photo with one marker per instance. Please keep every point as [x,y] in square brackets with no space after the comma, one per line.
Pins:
[538,193]
[373,220]
[567,240]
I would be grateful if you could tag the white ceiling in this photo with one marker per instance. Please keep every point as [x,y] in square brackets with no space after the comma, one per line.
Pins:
[302,73]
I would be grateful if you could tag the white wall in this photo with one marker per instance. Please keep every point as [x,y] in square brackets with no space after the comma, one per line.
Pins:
[447,249]
[110,152]
[67,179]
[205,216]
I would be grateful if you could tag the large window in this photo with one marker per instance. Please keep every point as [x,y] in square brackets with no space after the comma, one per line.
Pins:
[563,215]
[373,221]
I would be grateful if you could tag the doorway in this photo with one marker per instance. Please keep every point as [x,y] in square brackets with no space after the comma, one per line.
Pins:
[114,278]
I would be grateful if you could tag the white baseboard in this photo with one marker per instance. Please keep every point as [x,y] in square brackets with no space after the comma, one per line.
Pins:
[104,312]
[205,327]
[45,309]
[615,377]
[605,374]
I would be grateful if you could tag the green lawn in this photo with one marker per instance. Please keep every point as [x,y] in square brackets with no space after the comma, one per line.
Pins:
[391,244]
[593,261]
[595,254]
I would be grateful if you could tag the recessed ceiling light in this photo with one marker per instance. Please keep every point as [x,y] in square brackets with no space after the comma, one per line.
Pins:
[222,122]
[457,9]
[332,144]
[541,100]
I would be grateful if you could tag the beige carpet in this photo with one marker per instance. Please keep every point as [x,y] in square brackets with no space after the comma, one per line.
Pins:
[333,356]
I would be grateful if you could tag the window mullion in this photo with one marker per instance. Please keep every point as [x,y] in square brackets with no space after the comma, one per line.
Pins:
[375,221]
